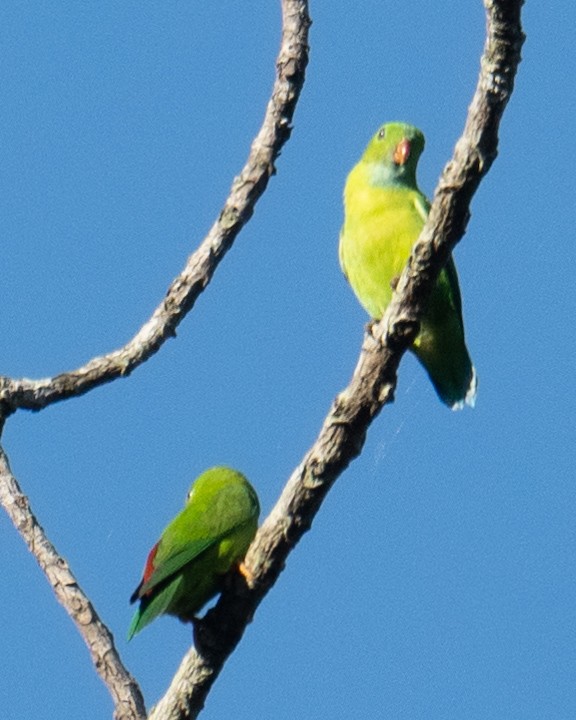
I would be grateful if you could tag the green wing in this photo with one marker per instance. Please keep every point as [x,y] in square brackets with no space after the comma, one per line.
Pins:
[450,269]
[176,561]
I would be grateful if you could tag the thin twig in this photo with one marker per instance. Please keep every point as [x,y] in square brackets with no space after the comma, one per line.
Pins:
[185,289]
[128,700]
[343,432]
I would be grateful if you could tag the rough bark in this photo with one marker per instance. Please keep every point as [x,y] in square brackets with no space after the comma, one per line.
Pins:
[246,189]
[180,298]
[343,432]
[126,695]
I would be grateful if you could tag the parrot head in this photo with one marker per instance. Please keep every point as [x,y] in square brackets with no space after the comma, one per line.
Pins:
[393,154]
[216,480]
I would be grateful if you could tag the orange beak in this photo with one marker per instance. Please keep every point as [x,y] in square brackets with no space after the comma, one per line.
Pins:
[402,152]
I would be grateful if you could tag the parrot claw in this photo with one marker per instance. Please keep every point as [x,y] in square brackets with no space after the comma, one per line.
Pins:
[246,573]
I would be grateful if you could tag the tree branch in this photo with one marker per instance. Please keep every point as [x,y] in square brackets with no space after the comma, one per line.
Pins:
[182,294]
[128,700]
[344,430]
[185,289]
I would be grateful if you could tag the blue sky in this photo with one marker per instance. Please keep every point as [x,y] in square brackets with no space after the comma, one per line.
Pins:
[438,580]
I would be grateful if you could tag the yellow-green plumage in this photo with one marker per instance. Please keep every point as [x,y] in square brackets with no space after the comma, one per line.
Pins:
[185,568]
[384,215]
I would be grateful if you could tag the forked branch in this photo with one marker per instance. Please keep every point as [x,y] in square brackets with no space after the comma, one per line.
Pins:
[182,294]
[187,286]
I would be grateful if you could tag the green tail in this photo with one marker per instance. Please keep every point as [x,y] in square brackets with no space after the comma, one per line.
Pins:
[451,372]
[441,347]
[151,607]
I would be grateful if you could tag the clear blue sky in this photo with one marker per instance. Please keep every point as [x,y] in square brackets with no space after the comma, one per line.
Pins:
[438,580]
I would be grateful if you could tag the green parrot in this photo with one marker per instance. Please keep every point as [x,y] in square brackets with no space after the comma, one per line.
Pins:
[384,212]
[211,535]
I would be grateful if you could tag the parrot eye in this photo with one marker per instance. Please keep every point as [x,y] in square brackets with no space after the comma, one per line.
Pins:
[381,133]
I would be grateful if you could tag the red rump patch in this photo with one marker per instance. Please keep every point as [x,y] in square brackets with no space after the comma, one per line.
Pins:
[402,152]
[149,567]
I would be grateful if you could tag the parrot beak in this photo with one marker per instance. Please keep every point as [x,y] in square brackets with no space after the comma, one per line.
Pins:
[402,152]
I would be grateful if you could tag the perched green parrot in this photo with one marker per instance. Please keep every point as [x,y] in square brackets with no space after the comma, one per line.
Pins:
[212,534]
[384,212]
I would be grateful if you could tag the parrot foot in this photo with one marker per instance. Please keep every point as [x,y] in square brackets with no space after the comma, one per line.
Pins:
[246,573]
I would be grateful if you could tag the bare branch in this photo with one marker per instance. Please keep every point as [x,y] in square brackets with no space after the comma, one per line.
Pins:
[181,296]
[343,432]
[185,289]
[128,700]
